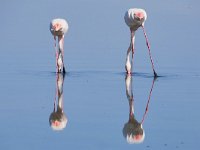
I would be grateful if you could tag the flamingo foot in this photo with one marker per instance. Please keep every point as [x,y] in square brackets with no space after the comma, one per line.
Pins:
[155,74]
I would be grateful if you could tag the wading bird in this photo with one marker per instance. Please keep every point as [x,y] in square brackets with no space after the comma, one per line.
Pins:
[134,19]
[58,28]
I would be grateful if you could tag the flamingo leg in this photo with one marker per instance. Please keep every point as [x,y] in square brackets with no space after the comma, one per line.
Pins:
[62,51]
[148,46]
[57,61]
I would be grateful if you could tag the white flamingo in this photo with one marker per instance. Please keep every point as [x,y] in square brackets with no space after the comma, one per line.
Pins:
[134,19]
[58,28]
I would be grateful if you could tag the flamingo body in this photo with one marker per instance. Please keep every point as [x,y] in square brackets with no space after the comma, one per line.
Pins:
[135,17]
[58,28]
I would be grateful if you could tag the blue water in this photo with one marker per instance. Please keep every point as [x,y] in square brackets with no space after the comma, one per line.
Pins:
[94,90]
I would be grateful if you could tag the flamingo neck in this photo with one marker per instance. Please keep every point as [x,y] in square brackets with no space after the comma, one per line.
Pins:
[60,59]
[61,42]
[60,63]
[133,37]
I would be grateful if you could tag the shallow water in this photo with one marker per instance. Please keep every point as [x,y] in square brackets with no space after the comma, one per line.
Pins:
[94,96]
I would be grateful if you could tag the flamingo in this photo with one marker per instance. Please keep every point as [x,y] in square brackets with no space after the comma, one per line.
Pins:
[58,28]
[135,18]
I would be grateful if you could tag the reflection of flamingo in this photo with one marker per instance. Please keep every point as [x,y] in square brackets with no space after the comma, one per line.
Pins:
[58,119]
[133,130]
[58,28]
[135,18]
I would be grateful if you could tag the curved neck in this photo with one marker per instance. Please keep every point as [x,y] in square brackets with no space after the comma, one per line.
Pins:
[61,42]
[132,36]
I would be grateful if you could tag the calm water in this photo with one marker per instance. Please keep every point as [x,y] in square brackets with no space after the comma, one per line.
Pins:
[92,99]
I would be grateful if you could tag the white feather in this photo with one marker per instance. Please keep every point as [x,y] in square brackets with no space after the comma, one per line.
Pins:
[130,19]
[63,26]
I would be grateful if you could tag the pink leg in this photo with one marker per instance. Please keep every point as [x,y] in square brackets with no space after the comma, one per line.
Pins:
[56,53]
[147,106]
[148,46]
[63,53]
[63,47]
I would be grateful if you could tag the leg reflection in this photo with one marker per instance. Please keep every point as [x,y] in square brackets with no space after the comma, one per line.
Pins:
[133,130]
[58,119]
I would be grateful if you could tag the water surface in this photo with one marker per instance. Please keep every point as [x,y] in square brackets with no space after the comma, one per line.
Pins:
[94,97]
